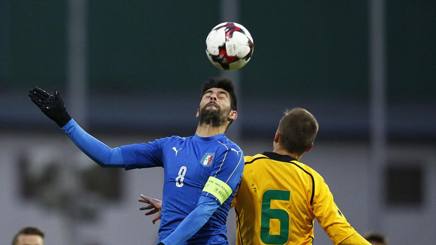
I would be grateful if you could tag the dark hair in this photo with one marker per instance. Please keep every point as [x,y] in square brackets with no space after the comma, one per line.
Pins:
[223,83]
[375,237]
[28,231]
[298,129]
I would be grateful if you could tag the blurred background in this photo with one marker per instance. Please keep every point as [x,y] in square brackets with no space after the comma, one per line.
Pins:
[131,71]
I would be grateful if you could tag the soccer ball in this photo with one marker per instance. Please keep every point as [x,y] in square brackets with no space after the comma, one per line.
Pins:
[229,46]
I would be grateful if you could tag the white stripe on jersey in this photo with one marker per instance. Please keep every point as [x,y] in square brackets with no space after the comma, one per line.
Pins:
[239,162]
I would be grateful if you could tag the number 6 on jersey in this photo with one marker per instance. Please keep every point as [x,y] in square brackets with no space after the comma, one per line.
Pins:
[278,214]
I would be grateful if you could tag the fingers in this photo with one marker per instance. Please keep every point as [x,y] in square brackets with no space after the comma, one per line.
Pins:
[39,97]
[58,97]
[153,211]
[40,93]
[149,200]
[37,100]
[156,218]
[144,198]
[157,201]
[147,207]
[152,206]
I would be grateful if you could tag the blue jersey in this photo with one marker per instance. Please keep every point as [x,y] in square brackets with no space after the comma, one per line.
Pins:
[194,168]
[188,163]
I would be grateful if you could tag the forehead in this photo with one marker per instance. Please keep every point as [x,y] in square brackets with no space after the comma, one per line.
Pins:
[216,90]
[25,239]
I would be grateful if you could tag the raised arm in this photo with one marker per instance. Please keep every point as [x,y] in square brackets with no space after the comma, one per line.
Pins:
[128,156]
[98,151]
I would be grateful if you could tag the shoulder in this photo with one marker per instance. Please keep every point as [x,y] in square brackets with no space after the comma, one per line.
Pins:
[173,138]
[165,142]
[229,152]
[254,158]
[309,170]
[177,138]
[226,145]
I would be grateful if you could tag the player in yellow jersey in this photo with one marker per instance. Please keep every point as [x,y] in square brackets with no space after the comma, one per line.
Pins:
[280,197]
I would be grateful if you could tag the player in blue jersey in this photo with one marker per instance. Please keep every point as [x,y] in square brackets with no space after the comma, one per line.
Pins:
[201,172]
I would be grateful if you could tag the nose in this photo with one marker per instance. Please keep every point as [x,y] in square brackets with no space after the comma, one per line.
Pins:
[213,97]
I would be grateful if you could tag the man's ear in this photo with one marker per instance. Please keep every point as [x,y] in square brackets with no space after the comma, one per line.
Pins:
[277,137]
[197,114]
[233,115]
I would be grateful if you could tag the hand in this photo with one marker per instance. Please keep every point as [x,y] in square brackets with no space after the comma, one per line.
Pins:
[51,105]
[153,204]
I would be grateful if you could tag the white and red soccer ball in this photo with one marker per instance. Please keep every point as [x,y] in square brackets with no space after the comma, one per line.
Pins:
[229,46]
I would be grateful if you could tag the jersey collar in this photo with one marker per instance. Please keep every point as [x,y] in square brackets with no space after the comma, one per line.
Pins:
[209,138]
[278,157]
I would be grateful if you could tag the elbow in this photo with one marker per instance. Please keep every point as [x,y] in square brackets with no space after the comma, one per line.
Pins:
[109,158]
[103,164]
[105,161]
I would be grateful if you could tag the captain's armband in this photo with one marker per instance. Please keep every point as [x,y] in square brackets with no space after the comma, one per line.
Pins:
[218,188]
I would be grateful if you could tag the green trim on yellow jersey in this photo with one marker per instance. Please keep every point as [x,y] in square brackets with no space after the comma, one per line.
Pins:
[277,202]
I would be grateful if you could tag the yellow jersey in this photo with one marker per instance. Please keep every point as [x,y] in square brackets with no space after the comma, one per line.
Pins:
[278,200]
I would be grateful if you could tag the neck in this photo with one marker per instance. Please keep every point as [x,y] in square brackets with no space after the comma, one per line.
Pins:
[206,130]
[282,151]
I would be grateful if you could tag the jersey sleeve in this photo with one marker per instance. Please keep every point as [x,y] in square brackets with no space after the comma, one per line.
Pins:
[241,184]
[328,214]
[127,156]
[226,174]
[144,155]
[190,225]
[355,239]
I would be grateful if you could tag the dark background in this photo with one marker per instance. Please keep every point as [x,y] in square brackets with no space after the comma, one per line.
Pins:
[146,60]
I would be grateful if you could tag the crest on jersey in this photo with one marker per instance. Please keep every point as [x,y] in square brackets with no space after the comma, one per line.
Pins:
[207,159]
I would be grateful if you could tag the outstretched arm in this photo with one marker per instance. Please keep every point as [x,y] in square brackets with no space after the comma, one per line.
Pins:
[128,156]
[53,107]
[98,151]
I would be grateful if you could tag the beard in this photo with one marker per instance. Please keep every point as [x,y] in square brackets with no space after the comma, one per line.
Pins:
[215,118]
